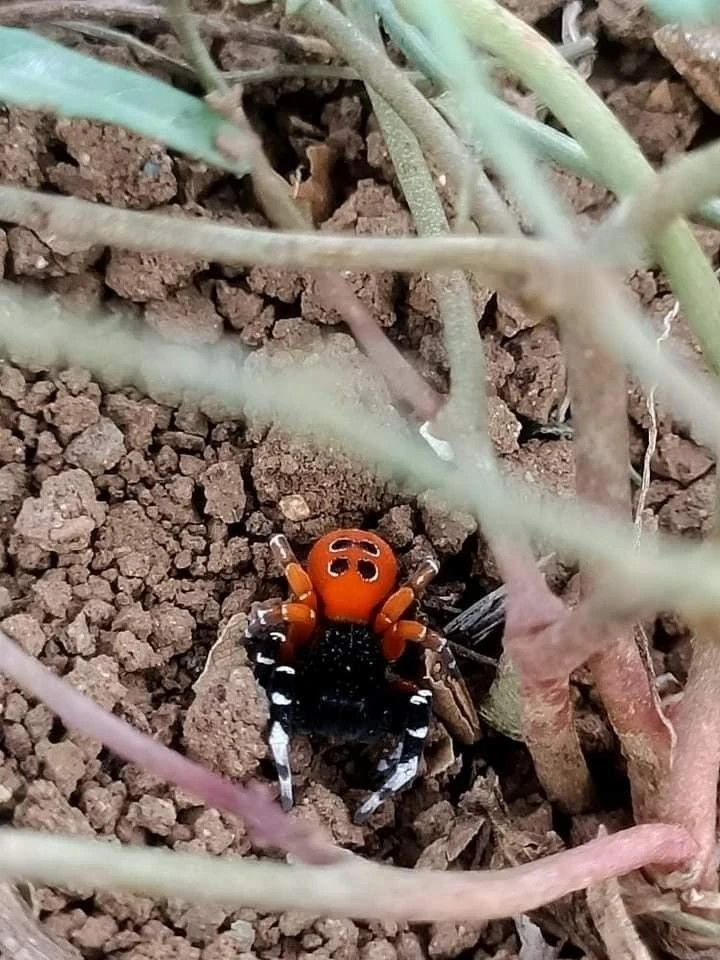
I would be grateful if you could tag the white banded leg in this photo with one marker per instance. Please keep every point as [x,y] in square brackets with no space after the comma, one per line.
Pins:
[281,693]
[407,763]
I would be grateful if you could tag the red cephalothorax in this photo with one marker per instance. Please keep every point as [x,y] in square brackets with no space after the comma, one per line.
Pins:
[327,649]
[352,572]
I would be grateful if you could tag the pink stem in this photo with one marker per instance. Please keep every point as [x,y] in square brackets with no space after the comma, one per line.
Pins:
[265,820]
[689,793]
[355,887]
[532,613]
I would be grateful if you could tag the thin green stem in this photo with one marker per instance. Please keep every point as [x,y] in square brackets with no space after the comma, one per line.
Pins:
[559,148]
[512,262]
[606,142]
[197,54]
[452,290]
[435,137]
[673,192]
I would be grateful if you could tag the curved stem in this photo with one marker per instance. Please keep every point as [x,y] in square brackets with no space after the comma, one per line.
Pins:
[349,888]
[673,192]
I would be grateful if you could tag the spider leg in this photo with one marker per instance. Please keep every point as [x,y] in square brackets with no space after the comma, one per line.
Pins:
[390,759]
[279,613]
[409,751]
[298,580]
[272,664]
[396,638]
[399,601]
[294,613]
[265,655]
[281,694]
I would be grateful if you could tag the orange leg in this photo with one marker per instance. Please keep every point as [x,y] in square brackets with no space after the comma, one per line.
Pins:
[301,589]
[399,601]
[396,638]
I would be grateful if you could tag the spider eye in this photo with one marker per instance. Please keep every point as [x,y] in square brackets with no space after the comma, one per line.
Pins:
[369,547]
[340,544]
[367,570]
[338,566]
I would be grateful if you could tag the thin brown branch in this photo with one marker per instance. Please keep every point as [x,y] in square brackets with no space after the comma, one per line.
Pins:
[266,821]
[350,887]
[25,13]
[22,937]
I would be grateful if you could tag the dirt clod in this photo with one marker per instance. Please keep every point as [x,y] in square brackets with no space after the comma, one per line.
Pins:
[64,516]
[224,491]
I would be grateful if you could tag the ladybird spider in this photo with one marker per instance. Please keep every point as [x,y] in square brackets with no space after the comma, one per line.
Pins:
[324,656]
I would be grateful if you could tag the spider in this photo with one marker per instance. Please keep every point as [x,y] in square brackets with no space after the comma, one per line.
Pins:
[325,656]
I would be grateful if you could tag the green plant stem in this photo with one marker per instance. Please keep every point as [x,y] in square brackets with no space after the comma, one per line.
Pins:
[452,290]
[559,148]
[196,52]
[548,142]
[610,149]
[679,187]
[350,888]
[435,137]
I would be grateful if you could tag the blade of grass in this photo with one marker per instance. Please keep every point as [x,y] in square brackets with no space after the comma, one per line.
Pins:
[40,74]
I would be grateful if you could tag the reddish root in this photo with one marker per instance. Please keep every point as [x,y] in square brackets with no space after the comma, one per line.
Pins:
[690,789]
[532,613]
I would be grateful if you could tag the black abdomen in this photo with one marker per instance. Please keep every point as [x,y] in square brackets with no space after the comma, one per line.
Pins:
[341,684]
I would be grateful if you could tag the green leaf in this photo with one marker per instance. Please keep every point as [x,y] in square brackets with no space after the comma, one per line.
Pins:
[42,75]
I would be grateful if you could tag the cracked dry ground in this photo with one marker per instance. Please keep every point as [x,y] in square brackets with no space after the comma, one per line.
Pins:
[133,530]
